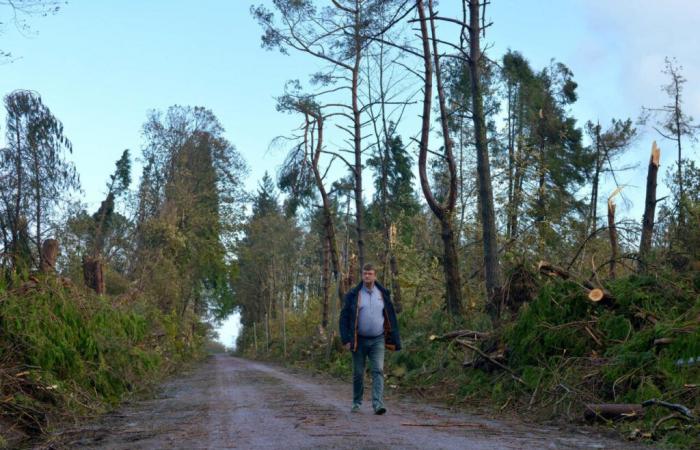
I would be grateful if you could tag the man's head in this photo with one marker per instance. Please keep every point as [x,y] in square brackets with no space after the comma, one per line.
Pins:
[369,275]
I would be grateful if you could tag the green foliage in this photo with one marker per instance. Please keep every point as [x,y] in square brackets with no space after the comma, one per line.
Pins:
[34,174]
[540,332]
[85,351]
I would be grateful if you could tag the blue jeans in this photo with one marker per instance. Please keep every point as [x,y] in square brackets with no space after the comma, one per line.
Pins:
[374,349]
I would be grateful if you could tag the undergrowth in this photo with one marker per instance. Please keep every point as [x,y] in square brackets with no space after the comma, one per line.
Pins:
[564,350]
[66,353]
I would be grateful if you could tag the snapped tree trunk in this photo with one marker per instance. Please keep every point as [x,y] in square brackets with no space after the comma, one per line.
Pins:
[612,230]
[649,207]
[93,274]
[49,254]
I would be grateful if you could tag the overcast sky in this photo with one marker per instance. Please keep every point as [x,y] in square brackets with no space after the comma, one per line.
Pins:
[101,65]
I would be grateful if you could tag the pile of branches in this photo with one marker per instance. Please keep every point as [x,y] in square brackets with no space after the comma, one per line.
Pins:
[21,394]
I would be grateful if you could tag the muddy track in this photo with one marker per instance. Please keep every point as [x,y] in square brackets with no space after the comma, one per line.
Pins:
[229,402]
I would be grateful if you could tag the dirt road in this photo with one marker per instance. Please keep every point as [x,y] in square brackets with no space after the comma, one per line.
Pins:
[229,402]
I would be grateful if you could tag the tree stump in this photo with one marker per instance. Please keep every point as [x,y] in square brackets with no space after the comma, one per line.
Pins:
[49,254]
[93,274]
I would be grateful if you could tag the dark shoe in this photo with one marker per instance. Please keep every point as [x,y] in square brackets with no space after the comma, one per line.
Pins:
[379,411]
[355,408]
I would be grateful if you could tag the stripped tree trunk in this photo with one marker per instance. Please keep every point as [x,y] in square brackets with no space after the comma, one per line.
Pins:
[649,207]
[612,230]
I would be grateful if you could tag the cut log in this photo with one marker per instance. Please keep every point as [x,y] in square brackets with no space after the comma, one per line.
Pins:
[595,294]
[612,411]
[601,296]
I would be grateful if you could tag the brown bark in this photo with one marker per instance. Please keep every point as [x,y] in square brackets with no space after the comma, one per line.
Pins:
[443,212]
[488,217]
[395,285]
[649,207]
[514,208]
[612,231]
[37,193]
[49,253]
[93,274]
[596,177]
[328,224]
[357,138]
[325,281]
[595,293]
[601,296]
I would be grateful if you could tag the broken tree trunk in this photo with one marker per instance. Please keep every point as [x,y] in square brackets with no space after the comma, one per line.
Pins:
[649,207]
[49,254]
[612,411]
[93,274]
[612,230]
[595,294]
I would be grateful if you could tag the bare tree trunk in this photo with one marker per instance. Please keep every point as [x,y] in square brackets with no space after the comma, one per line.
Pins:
[357,138]
[596,177]
[517,190]
[18,197]
[511,157]
[488,217]
[612,230]
[328,223]
[395,285]
[677,114]
[37,193]
[443,212]
[267,332]
[325,280]
[649,207]
[255,338]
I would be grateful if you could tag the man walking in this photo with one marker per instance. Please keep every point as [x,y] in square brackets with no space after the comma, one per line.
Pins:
[367,326]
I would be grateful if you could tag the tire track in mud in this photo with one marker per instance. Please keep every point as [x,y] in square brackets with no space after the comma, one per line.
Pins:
[230,402]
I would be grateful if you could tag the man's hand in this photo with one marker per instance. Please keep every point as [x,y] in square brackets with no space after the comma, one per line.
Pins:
[347,346]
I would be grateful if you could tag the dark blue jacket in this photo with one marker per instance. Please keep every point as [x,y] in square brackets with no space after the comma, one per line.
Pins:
[349,314]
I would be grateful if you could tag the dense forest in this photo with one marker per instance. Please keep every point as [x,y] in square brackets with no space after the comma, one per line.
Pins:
[488,208]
